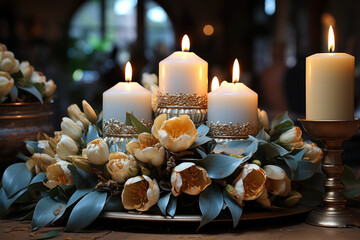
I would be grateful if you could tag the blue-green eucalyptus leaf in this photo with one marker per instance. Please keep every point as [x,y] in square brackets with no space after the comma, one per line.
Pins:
[233,147]
[201,152]
[14,92]
[15,178]
[47,211]
[220,166]
[263,135]
[77,195]
[210,202]
[86,211]
[235,210]
[114,203]
[299,155]
[163,203]
[33,90]
[203,130]
[37,183]
[171,208]
[33,145]
[38,178]
[304,170]
[6,202]
[22,157]
[91,135]
[83,180]
[200,141]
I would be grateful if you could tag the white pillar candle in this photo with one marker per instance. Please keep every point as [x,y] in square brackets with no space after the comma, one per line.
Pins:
[127,96]
[330,85]
[184,72]
[233,102]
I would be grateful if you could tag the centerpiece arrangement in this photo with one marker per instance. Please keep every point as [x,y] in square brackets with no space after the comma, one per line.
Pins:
[123,160]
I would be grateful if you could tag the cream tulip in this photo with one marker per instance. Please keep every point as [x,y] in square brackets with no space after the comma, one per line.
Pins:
[46,148]
[66,147]
[76,114]
[6,83]
[38,77]
[250,183]
[313,154]
[147,150]
[50,88]
[189,178]
[277,181]
[121,166]
[89,112]
[8,62]
[39,162]
[97,151]
[178,133]
[263,119]
[58,173]
[140,193]
[26,69]
[71,129]
[291,139]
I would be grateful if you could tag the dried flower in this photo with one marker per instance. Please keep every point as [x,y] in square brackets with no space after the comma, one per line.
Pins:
[66,147]
[45,147]
[6,83]
[177,134]
[39,162]
[147,150]
[313,154]
[291,139]
[8,62]
[140,193]
[89,112]
[189,178]
[58,173]
[38,77]
[26,69]
[71,129]
[50,88]
[277,181]
[121,166]
[97,151]
[76,114]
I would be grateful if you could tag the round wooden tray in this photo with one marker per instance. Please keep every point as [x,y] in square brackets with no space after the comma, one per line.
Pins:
[274,212]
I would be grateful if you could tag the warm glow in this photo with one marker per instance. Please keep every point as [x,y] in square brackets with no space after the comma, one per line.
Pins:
[214,84]
[208,30]
[185,43]
[128,72]
[236,71]
[331,40]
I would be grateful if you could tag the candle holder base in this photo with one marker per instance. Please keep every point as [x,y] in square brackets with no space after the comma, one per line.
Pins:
[222,132]
[333,212]
[197,115]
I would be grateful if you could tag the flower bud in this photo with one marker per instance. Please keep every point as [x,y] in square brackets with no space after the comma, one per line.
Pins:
[133,171]
[76,114]
[291,139]
[82,163]
[26,69]
[66,147]
[8,62]
[50,88]
[263,119]
[313,154]
[6,83]
[89,112]
[230,191]
[70,128]
[292,201]
[145,171]
[257,162]
[45,147]
[97,151]
[38,77]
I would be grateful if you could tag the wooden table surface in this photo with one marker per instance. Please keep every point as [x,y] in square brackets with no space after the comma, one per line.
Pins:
[292,227]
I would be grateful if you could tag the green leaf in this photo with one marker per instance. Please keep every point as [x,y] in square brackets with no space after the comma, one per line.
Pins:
[128,121]
[47,211]
[281,123]
[171,208]
[14,92]
[6,202]
[33,90]
[235,210]
[20,80]
[91,135]
[163,203]
[203,130]
[352,185]
[200,140]
[50,234]
[210,202]
[86,211]
[77,195]
[114,203]
[15,178]
[139,125]
[40,87]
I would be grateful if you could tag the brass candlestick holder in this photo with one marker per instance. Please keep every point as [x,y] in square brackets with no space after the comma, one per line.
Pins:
[333,212]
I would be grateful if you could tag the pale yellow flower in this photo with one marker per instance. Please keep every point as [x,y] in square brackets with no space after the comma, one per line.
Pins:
[71,129]
[291,139]
[177,134]
[58,173]
[147,150]
[66,147]
[189,178]
[6,83]
[121,166]
[8,62]
[140,193]
[26,69]
[313,154]
[39,162]
[250,183]
[97,151]
[277,181]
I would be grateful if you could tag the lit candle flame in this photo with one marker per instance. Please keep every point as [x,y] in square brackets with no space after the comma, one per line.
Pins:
[331,40]
[128,72]
[185,43]
[214,84]
[236,71]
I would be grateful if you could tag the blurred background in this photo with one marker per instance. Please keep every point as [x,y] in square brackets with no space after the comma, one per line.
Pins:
[84,45]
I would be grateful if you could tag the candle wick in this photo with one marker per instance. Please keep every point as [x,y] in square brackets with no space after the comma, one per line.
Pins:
[331,50]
